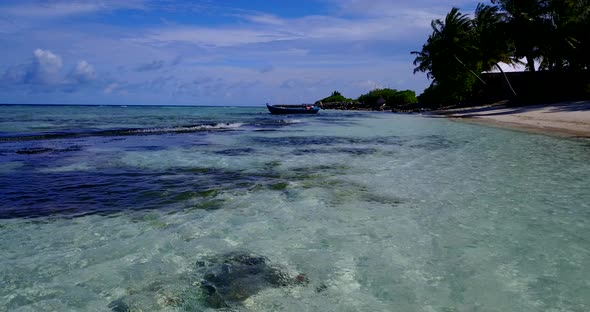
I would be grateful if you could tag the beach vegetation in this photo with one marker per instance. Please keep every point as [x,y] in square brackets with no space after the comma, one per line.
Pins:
[335,97]
[388,97]
[377,99]
[448,57]
[405,97]
[545,35]
[490,45]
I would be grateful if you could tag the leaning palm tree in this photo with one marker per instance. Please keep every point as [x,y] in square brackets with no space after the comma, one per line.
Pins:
[423,60]
[525,20]
[456,33]
[581,56]
[450,43]
[490,39]
[566,26]
[449,56]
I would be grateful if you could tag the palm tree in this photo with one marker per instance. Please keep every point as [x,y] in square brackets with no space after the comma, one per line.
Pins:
[450,42]
[456,39]
[567,28]
[450,58]
[558,41]
[423,60]
[525,21]
[582,54]
[490,39]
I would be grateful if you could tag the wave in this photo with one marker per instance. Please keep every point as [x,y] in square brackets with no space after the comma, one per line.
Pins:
[194,128]
[123,132]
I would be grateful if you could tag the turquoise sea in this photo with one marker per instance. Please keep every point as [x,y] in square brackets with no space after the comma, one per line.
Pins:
[233,209]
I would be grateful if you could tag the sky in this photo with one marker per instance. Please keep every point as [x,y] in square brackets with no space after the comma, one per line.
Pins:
[205,52]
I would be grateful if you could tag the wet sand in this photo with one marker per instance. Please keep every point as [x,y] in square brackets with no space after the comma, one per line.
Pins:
[564,119]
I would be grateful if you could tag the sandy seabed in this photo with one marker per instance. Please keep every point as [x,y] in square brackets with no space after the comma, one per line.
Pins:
[565,119]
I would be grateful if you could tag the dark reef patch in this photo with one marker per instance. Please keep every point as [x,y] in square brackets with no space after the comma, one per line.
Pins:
[231,278]
[358,145]
[206,127]
[44,150]
[30,194]
[236,151]
[321,140]
[222,281]
[355,151]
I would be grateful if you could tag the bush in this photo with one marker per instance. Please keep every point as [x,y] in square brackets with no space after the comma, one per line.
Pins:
[392,97]
[404,98]
[335,97]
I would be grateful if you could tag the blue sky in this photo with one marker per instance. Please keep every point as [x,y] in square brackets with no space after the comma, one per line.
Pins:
[234,52]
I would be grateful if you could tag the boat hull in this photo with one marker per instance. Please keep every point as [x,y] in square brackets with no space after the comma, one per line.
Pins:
[278,110]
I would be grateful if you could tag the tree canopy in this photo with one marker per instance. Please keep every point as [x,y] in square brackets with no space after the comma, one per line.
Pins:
[376,98]
[335,97]
[388,97]
[551,33]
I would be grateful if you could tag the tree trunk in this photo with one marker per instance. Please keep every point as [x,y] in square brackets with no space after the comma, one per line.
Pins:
[472,72]
[530,63]
[506,77]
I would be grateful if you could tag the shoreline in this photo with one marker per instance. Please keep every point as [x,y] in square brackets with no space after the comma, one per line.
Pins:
[566,119]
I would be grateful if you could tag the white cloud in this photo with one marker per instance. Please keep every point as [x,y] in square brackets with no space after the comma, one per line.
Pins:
[368,85]
[15,74]
[306,28]
[56,9]
[394,8]
[268,19]
[83,72]
[216,37]
[45,72]
[359,20]
[47,59]
[49,9]
[45,68]
[113,88]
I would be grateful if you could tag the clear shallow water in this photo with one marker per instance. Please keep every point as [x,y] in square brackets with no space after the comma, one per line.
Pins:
[100,205]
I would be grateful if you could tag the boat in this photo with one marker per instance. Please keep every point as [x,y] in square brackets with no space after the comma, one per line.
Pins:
[292,109]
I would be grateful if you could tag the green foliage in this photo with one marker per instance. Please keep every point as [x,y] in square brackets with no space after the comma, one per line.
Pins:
[524,19]
[450,57]
[405,97]
[450,92]
[392,97]
[489,37]
[553,32]
[335,97]
[564,40]
[373,96]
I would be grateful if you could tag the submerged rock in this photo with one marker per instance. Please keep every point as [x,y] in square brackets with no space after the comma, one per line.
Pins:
[119,305]
[43,150]
[234,277]
[223,281]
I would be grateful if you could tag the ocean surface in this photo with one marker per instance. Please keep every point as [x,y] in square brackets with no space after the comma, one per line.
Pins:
[140,208]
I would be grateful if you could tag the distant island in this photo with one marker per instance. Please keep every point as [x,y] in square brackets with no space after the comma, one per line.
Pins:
[376,100]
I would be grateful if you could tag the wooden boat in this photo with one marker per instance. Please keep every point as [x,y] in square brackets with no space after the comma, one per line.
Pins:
[292,109]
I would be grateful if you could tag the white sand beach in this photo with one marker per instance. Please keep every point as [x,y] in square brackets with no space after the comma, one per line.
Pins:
[566,119]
